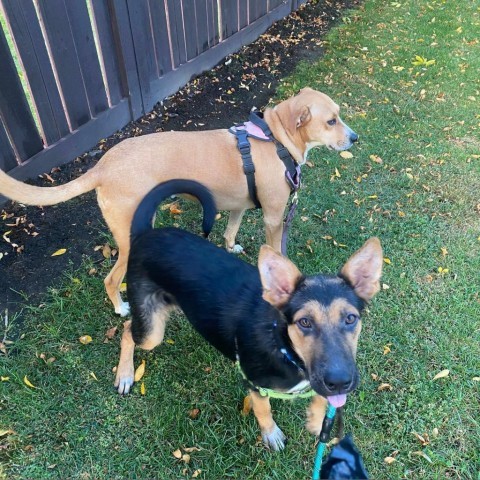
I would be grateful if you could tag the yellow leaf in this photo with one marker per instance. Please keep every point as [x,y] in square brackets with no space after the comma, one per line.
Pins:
[186,458]
[107,251]
[123,287]
[93,376]
[476,379]
[60,251]
[389,460]
[387,261]
[444,251]
[442,374]
[26,381]
[346,154]
[384,386]
[170,341]
[373,196]
[386,349]
[140,371]
[6,432]
[177,454]
[143,390]
[196,473]
[85,339]
[4,379]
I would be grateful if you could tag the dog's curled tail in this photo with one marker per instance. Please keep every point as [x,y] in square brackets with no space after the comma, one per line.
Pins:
[142,220]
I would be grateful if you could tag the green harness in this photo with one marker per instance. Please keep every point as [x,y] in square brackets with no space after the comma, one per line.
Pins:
[307,392]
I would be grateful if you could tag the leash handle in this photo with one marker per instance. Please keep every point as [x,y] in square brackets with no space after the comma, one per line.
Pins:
[323,439]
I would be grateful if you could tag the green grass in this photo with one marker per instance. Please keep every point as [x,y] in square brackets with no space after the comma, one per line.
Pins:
[423,123]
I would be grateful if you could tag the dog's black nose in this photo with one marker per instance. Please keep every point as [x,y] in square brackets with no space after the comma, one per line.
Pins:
[353,137]
[337,380]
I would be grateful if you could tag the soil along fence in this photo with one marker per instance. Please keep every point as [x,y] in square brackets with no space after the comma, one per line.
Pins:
[74,72]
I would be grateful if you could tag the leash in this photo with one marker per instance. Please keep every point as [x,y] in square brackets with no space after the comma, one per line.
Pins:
[323,439]
[288,221]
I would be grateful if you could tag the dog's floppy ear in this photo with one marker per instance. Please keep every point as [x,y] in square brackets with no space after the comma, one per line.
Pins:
[278,274]
[364,269]
[294,114]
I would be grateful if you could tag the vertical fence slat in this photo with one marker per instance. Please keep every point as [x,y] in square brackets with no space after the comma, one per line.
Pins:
[212,17]
[243,13]
[7,155]
[160,36]
[189,27]
[201,25]
[62,47]
[229,18]
[87,56]
[176,31]
[103,18]
[31,48]
[14,110]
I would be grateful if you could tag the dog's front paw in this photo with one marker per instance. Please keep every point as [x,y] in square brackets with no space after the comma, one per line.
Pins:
[124,380]
[274,439]
[123,309]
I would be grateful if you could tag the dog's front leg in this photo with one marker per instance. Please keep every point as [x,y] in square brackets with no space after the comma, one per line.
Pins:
[272,436]
[316,414]
[125,370]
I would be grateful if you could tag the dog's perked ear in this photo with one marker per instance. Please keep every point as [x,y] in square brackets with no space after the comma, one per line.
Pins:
[279,276]
[364,269]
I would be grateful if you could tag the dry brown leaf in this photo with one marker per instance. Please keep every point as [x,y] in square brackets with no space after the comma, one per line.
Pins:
[424,455]
[177,454]
[140,371]
[110,333]
[374,376]
[384,386]
[6,432]
[85,339]
[193,414]
[107,251]
[192,449]
[174,210]
[423,439]
[60,251]
[196,473]
[442,374]
[389,460]
[123,287]
[346,154]
[186,458]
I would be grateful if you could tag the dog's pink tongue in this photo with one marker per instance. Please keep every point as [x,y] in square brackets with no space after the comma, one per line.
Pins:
[337,401]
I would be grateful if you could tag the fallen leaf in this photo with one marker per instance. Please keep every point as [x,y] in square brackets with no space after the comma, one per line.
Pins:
[6,379]
[376,159]
[123,287]
[92,271]
[27,382]
[387,261]
[177,454]
[6,432]
[174,210]
[374,376]
[186,458]
[110,333]
[93,376]
[444,251]
[143,390]
[218,216]
[192,449]
[386,349]
[60,251]
[384,386]
[140,371]
[389,460]
[193,413]
[346,154]
[442,374]
[475,379]
[85,339]
[107,251]
[424,440]
[385,286]
[196,473]
[170,341]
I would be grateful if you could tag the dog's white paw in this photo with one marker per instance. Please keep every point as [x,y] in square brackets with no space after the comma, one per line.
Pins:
[237,249]
[275,439]
[124,382]
[123,310]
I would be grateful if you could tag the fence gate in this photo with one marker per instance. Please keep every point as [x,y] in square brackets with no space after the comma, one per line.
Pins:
[75,71]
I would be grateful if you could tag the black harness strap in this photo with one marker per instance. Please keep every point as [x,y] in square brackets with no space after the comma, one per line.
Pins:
[248,166]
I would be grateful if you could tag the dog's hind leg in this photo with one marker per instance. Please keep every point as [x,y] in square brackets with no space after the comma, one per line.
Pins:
[316,414]
[145,330]
[234,221]
[272,436]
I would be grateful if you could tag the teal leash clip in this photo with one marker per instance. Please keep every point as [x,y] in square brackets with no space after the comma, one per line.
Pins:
[323,439]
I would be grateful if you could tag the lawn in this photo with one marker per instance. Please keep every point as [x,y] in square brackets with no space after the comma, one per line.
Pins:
[407,76]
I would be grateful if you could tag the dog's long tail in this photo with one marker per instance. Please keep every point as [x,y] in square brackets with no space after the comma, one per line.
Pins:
[142,220]
[32,195]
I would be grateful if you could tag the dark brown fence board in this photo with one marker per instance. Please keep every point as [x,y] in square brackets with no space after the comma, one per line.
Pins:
[14,110]
[176,32]
[160,36]
[31,47]
[103,19]
[62,47]
[123,39]
[190,28]
[75,143]
[7,155]
[201,25]
[87,56]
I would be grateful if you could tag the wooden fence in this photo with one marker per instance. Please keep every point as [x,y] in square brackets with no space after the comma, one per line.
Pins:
[75,71]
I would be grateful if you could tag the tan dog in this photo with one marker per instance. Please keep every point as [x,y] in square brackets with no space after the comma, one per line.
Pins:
[128,171]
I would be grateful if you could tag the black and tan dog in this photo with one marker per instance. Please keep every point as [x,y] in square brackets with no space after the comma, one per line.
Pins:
[287,330]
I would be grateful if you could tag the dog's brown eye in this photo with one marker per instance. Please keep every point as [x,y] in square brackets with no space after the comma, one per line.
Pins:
[351,319]
[305,323]
[332,122]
